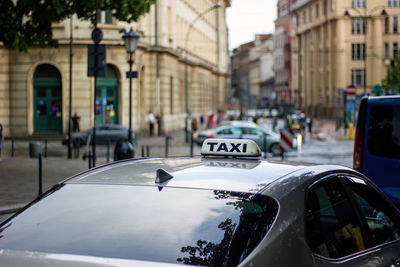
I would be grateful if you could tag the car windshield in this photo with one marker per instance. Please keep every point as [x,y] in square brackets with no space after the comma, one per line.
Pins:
[188,226]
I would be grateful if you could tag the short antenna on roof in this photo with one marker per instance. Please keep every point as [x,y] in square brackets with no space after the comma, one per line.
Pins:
[163,176]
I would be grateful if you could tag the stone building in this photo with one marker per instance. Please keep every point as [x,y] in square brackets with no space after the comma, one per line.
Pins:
[34,86]
[252,74]
[284,94]
[341,43]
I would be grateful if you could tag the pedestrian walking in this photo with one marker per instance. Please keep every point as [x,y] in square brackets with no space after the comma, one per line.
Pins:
[1,138]
[75,123]
[202,121]
[194,124]
[310,124]
[151,119]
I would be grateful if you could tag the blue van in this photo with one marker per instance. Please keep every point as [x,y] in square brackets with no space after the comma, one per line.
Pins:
[377,143]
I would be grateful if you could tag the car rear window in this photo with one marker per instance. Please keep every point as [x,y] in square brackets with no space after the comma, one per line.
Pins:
[174,225]
[384,131]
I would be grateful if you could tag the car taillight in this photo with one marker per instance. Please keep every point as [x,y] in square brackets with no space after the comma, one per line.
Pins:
[210,136]
[358,149]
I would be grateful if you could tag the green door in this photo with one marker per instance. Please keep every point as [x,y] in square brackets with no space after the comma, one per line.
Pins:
[106,102]
[47,105]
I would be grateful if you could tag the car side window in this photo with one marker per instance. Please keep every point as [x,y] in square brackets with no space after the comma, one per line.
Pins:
[225,131]
[251,131]
[332,228]
[381,219]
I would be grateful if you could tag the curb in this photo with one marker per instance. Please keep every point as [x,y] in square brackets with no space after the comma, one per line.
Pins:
[11,208]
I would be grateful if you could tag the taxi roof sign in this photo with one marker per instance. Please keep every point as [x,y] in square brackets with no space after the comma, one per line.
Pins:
[230,148]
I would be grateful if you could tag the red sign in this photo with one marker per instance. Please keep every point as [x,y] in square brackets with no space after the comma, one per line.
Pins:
[351,90]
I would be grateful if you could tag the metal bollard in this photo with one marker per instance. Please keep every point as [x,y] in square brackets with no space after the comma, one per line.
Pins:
[45,148]
[142,151]
[90,159]
[191,144]
[147,151]
[108,150]
[12,147]
[166,145]
[265,147]
[40,173]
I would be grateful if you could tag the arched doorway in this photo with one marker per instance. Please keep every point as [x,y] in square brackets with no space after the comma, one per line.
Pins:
[47,99]
[107,98]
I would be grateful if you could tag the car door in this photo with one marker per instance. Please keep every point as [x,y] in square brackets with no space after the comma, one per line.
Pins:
[337,230]
[101,135]
[254,134]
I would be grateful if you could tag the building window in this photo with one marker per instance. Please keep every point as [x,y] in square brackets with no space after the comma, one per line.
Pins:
[395,24]
[386,51]
[357,3]
[310,15]
[358,77]
[387,24]
[395,49]
[358,26]
[358,51]
[317,10]
[105,17]
[332,5]
[325,7]
[304,17]
[394,3]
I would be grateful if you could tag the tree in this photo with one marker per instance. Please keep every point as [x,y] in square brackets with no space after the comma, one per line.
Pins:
[392,79]
[26,23]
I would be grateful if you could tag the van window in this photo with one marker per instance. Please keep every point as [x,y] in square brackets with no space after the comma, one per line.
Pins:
[384,132]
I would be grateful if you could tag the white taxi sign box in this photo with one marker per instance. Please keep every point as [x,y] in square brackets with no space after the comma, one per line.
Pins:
[230,148]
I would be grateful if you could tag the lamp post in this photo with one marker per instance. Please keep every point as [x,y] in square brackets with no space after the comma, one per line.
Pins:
[131,40]
[186,66]
[366,16]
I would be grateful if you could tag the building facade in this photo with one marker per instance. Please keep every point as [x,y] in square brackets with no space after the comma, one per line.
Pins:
[337,44]
[252,73]
[284,94]
[34,86]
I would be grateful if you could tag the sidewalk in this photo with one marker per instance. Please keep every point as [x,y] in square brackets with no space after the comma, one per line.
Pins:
[19,175]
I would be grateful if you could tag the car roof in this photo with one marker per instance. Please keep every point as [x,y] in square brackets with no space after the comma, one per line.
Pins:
[243,175]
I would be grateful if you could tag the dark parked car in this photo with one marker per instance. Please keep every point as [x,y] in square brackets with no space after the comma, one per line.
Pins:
[377,143]
[104,134]
[227,208]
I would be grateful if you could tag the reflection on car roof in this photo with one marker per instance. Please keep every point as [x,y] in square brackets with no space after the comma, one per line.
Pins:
[216,174]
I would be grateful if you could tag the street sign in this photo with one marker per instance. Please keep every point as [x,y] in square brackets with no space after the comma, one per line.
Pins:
[100,57]
[97,35]
[351,90]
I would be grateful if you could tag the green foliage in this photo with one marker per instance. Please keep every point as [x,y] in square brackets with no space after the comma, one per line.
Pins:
[392,79]
[26,23]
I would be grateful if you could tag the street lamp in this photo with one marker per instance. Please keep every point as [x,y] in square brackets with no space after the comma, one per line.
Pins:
[366,16]
[186,65]
[131,40]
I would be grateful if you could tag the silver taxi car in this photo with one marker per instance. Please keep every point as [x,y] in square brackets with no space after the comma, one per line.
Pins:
[226,208]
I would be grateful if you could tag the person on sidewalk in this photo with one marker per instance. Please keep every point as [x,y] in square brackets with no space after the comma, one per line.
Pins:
[151,119]
[194,124]
[75,123]
[1,138]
